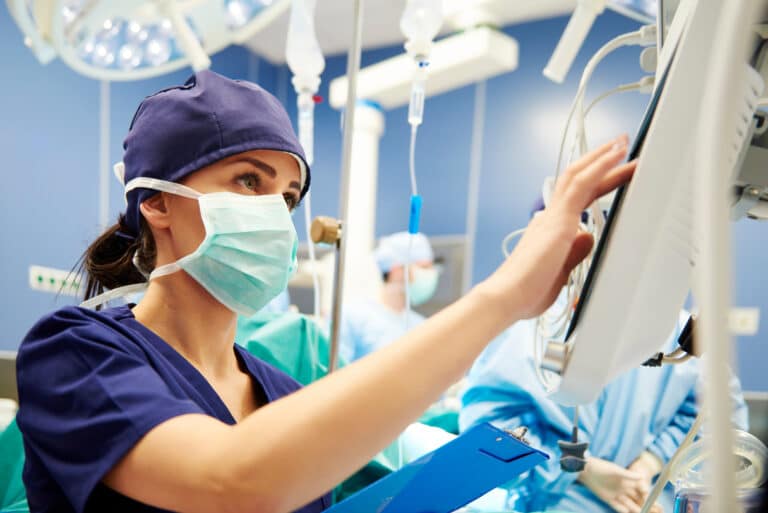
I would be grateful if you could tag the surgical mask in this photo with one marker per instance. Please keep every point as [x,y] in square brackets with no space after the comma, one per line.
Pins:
[249,250]
[423,285]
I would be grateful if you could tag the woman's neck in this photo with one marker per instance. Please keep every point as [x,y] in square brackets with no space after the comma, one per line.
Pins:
[190,320]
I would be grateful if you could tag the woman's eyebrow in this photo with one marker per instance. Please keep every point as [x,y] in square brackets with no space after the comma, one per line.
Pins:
[259,164]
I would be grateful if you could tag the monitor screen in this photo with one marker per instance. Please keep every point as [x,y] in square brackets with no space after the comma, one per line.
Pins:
[615,208]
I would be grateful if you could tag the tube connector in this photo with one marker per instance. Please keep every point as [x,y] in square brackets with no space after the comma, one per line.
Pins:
[326,230]
[418,93]
[305,104]
[414,219]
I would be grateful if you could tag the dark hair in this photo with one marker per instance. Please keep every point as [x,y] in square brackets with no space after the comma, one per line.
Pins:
[108,262]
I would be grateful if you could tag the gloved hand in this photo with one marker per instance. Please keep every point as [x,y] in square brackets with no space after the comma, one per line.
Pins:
[533,275]
[649,466]
[622,489]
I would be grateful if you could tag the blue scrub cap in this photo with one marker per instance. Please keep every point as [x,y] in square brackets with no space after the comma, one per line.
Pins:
[394,250]
[180,130]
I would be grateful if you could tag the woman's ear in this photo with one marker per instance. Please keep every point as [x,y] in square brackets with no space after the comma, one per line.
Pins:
[155,211]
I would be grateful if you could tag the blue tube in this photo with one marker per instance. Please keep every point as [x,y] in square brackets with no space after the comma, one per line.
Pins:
[415,219]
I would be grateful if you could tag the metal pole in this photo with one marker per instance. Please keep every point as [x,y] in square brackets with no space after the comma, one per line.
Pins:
[353,67]
[724,94]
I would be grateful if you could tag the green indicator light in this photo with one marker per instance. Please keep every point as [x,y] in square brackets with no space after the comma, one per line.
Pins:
[39,279]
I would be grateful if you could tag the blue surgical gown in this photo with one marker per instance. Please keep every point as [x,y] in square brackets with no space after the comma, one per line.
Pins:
[644,409]
[367,326]
[91,385]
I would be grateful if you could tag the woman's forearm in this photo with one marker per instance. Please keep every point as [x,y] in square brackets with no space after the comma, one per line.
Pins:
[340,422]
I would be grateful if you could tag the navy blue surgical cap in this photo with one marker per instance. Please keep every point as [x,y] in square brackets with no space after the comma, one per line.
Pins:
[180,130]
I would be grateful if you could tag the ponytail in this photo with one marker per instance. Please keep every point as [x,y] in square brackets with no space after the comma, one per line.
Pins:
[108,262]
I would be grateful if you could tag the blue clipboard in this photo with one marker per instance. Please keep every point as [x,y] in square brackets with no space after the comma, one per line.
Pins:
[448,478]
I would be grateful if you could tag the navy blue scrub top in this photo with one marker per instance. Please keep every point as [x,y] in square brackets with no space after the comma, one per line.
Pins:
[91,384]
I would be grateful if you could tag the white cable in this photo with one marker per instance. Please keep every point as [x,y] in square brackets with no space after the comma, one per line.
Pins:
[414,192]
[643,85]
[620,89]
[312,257]
[661,481]
[551,326]
[644,36]
[509,238]
[609,47]
[407,284]
[676,360]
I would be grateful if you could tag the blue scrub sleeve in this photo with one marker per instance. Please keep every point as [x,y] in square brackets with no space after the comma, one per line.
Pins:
[87,396]
[667,442]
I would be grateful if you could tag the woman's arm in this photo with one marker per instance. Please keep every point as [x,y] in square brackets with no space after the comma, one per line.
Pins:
[295,449]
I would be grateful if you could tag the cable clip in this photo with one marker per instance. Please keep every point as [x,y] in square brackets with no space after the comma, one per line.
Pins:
[654,361]
[573,457]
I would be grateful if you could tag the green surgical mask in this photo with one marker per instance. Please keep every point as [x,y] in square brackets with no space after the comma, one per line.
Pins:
[249,250]
[423,286]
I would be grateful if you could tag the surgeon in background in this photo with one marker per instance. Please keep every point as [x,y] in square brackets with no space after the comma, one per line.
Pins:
[633,427]
[369,325]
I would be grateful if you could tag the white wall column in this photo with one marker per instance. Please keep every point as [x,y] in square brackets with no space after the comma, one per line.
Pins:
[360,273]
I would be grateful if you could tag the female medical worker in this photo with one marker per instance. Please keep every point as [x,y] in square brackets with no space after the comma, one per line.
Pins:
[152,407]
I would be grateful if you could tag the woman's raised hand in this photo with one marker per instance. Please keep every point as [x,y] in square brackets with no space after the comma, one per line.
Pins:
[533,275]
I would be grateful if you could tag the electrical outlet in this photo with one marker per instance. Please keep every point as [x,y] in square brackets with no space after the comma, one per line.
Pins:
[57,281]
[744,321]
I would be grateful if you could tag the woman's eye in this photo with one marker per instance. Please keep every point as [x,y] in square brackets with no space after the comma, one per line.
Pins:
[250,181]
[291,201]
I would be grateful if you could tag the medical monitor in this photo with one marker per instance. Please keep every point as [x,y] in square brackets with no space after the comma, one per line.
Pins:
[616,207]
[641,270]
[666,13]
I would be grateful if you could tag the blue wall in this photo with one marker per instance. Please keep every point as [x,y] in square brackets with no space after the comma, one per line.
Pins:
[54,140]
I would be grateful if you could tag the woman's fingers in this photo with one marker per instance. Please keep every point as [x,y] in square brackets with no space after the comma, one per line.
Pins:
[593,176]
[617,176]
[586,160]
[585,186]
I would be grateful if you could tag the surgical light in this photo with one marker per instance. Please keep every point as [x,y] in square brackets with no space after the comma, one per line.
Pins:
[137,39]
